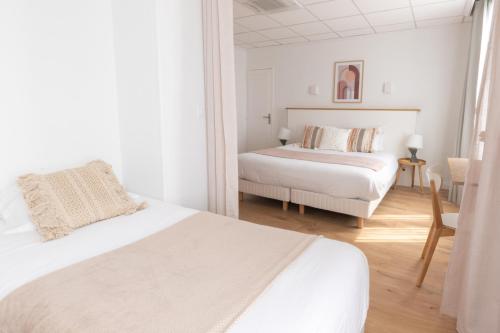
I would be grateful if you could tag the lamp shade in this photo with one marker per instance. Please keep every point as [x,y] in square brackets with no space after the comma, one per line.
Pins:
[284,134]
[415,141]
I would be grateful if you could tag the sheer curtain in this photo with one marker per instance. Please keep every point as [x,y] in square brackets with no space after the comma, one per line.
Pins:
[472,286]
[220,105]
[466,119]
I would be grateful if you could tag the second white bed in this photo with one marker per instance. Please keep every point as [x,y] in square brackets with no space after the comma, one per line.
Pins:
[336,180]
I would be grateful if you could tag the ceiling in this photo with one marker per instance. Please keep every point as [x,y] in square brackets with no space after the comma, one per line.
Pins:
[328,19]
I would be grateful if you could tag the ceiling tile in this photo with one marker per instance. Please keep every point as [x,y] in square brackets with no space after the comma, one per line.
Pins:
[348,23]
[329,35]
[390,17]
[257,22]
[308,2]
[356,32]
[368,6]
[250,37]
[290,17]
[240,10]
[278,33]
[426,2]
[334,9]
[433,22]
[265,44]
[310,28]
[292,40]
[439,10]
[395,27]
[238,29]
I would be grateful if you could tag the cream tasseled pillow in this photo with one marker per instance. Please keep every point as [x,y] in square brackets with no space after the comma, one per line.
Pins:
[62,201]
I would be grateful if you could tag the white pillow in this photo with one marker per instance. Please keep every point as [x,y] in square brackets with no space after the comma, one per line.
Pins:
[334,138]
[14,216]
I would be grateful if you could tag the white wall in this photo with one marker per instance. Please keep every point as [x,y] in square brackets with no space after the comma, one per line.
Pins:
[240,64]
[138,95]
[119,80]
[57,86]
[180,43]
[426,68]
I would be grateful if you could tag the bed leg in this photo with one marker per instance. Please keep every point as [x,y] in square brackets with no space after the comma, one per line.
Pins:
[240,194]
[302,209]
[285,205]
[360,223]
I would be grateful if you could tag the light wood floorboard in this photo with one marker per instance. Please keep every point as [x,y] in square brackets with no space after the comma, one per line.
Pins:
[392,240]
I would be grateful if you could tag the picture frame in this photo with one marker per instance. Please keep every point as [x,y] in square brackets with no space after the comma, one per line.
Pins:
[348,81]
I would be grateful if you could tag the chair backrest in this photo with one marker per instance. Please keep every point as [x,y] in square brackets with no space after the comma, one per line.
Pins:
[435,181]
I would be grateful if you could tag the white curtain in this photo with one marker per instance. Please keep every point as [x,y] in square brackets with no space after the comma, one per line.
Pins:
[220,105]
[472,286]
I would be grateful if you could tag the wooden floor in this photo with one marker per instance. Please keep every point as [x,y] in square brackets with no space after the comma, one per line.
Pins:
[392,241]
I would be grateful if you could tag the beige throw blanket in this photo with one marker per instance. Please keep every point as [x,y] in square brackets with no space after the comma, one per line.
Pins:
[357,161]
[196,276]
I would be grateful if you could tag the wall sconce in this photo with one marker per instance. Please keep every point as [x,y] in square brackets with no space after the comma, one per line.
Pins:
[313,89]
[387,88]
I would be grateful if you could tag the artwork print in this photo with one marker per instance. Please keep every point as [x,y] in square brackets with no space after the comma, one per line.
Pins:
[348,82]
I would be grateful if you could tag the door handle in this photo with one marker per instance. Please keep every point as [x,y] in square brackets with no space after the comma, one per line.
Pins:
[268,117]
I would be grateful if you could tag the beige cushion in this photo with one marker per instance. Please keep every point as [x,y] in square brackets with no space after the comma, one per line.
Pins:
[66,200]
[312,137]
[334,138]
[363,140]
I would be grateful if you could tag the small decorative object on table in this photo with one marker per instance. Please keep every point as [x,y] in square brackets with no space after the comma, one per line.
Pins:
[414,142]
[407,162]
[284,135]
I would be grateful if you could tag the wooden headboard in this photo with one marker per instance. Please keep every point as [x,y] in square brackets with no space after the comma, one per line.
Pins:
[397,124]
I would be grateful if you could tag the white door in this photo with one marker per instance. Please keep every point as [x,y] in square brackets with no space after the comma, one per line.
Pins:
[260,106]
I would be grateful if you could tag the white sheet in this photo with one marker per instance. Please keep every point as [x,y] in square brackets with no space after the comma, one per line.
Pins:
[337,180]
[324,290]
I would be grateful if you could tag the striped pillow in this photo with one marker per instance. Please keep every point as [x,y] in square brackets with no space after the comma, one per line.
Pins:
[312,137]
[362,140]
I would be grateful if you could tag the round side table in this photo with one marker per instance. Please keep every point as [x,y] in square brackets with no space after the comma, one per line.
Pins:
[406,162]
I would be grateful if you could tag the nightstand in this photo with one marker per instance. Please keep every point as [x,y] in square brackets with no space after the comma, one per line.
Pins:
[406,163]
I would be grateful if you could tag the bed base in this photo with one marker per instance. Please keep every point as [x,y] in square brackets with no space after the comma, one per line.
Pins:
[361,209]
[266,191]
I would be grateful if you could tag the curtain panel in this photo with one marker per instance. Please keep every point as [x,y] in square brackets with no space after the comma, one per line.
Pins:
[220,106]
[472,288]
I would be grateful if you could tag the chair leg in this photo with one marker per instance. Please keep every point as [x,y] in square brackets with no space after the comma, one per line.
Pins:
[429,237]
[302,209]
[240,194]
[285,205]
[360,223]
[428,257]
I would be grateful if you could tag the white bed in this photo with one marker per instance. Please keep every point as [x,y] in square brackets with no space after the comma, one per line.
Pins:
[339,188]
[336,180]
[326,289]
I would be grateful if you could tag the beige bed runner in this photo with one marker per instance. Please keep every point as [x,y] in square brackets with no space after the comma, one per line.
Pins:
[358,161]
[196,276]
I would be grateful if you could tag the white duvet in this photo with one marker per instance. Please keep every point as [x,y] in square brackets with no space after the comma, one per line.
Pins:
[336,180]
[323,290]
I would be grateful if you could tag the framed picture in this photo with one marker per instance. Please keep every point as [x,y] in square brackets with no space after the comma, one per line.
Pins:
[348,81]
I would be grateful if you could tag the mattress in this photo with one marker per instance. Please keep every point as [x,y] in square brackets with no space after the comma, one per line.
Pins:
[343,181]
[324,290]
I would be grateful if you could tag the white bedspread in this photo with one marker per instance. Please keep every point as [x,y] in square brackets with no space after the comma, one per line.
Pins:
[337,180]
[324,290]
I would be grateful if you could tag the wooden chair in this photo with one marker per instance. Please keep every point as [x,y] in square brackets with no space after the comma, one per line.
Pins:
[444,224]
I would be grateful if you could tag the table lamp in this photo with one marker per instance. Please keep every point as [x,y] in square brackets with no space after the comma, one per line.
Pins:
[284,135]
[415,142]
